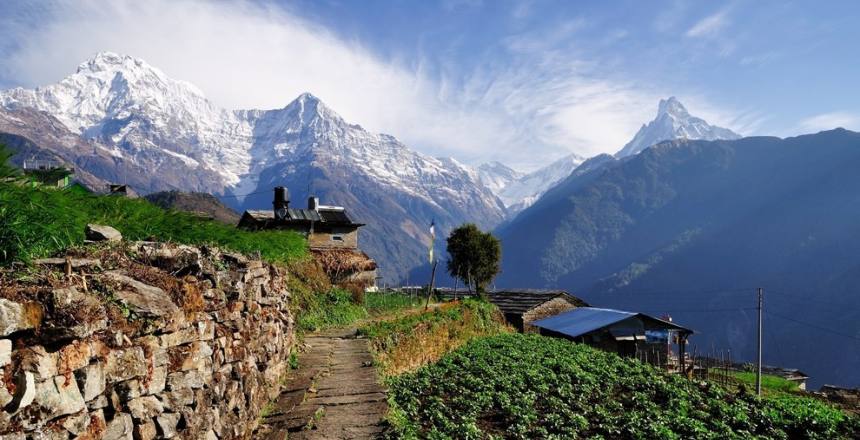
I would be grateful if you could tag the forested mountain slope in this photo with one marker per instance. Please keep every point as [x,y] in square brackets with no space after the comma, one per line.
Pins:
[692,227]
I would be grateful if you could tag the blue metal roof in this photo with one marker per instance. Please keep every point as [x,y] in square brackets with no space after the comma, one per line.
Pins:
[582,320]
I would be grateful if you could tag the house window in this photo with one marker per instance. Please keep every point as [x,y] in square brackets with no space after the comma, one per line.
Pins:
[337,238]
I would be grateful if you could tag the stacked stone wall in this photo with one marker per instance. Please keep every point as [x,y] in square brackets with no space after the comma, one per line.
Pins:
[139,341]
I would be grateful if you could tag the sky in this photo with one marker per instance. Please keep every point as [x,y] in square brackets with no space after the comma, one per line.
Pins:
[523,82]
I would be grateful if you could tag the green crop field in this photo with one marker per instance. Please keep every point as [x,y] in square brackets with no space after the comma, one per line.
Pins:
[528,386]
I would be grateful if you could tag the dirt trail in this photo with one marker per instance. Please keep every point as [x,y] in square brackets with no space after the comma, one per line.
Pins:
[334,394]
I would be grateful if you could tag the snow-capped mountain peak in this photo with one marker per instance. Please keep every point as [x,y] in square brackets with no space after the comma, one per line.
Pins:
[165,134]
[110,86]
[496,175]
[521,193]
[672,108]
[673,121]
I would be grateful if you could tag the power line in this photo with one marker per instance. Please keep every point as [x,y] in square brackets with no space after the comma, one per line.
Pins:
[775,342]
[677,291]
[808,298]
[700,310]
[815,326]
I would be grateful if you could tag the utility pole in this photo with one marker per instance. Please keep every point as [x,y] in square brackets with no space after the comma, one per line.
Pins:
[758,364]
[430,287]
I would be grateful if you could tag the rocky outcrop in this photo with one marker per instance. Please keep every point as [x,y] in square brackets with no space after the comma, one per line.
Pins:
[156,341]
[102,233]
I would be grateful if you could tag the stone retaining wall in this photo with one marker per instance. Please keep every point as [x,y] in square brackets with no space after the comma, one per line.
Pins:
[140,341]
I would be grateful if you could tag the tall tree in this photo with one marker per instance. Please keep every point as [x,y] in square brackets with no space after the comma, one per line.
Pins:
[473,256]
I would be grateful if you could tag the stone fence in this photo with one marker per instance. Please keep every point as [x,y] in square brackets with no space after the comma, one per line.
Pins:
[139,341]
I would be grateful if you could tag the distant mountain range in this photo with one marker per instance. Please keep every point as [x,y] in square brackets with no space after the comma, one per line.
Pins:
[691,228]
[518,191]
[120,120]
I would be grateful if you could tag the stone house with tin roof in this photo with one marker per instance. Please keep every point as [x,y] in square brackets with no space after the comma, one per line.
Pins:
[331,233]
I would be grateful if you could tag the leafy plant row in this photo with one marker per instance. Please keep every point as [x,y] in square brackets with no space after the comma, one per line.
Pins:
[531,387]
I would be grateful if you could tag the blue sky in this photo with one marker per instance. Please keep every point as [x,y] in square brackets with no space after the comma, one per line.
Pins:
[524,82]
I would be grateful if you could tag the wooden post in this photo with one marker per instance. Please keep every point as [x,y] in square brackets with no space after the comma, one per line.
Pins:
[682,353]
[758,362]
[430,288]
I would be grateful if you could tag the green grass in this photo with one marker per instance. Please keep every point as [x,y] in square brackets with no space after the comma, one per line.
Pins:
[768,382]
[332,309]
[529,386]
[37,222]
[411,340]
[385,332]
[378,302]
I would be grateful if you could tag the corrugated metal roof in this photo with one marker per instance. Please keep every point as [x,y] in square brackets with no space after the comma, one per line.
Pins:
[330,216]
[582,320]
[303,214]
[334,216]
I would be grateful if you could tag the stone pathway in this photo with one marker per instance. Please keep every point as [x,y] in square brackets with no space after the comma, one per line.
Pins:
[335,393]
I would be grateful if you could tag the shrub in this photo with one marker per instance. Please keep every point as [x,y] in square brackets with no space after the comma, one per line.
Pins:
[356,290]
[332,309]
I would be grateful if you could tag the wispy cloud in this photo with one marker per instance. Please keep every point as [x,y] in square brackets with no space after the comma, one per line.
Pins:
[709,26]
[829,121]
[544,101]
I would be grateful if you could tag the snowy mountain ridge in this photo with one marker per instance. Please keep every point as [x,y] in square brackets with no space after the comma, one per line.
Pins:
[155,133]
[496,175]
[136,109]
[517,190]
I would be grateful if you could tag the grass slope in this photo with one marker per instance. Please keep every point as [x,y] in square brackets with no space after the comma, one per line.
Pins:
[36,222]
[413,340]
[521,386]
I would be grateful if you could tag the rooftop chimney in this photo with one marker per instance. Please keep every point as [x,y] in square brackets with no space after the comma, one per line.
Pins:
[313,203]
[281,202]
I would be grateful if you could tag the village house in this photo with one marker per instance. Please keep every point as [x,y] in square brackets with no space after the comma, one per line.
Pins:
[331,233]
[48,172]
[522,306]
[629,334]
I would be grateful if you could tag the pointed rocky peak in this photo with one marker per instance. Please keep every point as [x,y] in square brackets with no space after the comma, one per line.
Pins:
[307,108]
[673,122]
[105,68]
[104,61]
[672,107]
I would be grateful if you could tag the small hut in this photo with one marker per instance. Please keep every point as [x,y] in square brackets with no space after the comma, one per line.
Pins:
[522,306]
[626,333]
[48,172]
[331,232]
